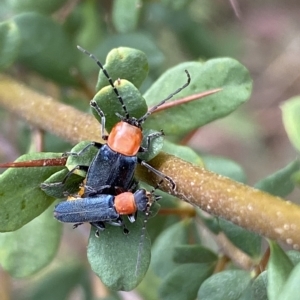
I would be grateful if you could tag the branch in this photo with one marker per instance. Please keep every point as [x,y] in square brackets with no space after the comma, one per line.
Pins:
[47,113]
[243,205]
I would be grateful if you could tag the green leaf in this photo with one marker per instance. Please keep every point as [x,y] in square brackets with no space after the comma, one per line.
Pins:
[290,287]
[229,284]
[280,183]
[125,15]
[225,73]
[21,196]
[212,223]
[183,152]
[71,186]
[156,144]
[124,63]
[183,282]
[162,251]
[60,282]
[142,41]
[279,269]
[84,159]
[290,116]
[161,222]
[9,44]
[90,26]
[193,254]
[108,102]
[259,287]
[149,280]
[29,249]
[294,256]
[296,178]
[51,54]
[121,261]
[225,167]
[42,6]
[176,4]
[5,10]
[247,241]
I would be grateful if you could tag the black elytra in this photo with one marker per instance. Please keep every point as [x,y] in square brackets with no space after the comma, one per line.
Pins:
[101,209]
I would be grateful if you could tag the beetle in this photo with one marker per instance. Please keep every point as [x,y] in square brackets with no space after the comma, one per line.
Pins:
[115,162]
[99,209]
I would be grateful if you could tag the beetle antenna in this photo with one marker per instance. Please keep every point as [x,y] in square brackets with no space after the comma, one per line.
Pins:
[152,198]
[108,78]
[147,114]
[143,234]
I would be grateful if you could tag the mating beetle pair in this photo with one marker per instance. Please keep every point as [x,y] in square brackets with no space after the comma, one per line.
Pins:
[102,208]
[111,173]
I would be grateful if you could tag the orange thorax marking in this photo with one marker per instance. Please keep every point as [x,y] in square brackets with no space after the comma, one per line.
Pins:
[125,139]
[125,204]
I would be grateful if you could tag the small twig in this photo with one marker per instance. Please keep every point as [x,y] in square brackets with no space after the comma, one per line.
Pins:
[236,8]
[62,14]
[185,100]
[181,211]
[61,161]
[262,265]
[238,257]
[37,140]
[45,113]
[221,264]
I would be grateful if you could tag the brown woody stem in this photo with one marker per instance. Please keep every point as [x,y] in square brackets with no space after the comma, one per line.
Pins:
[243,205]
[252,209]
[46,113]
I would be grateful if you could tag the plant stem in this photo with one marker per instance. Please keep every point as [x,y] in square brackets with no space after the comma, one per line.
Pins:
[46,113]
[245,206]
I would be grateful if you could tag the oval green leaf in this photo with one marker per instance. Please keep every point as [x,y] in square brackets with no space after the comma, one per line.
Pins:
[156,144]
[281,182]
[290,287]
[121,261]
[225,73]
[225,167]
[71,186]
[229,284]
[9,44]
[184,282]
[193,254]
[162,251]
[176,4]
[279,269]
[183,152]
[84,159]
[247,241]
[46,47]
[110,105]
[21,196]
[291,121]
[32,247]
[259,287]
[42,6]
[125,14]
[141,40]
[124,63]
[294,256]
[60,282]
